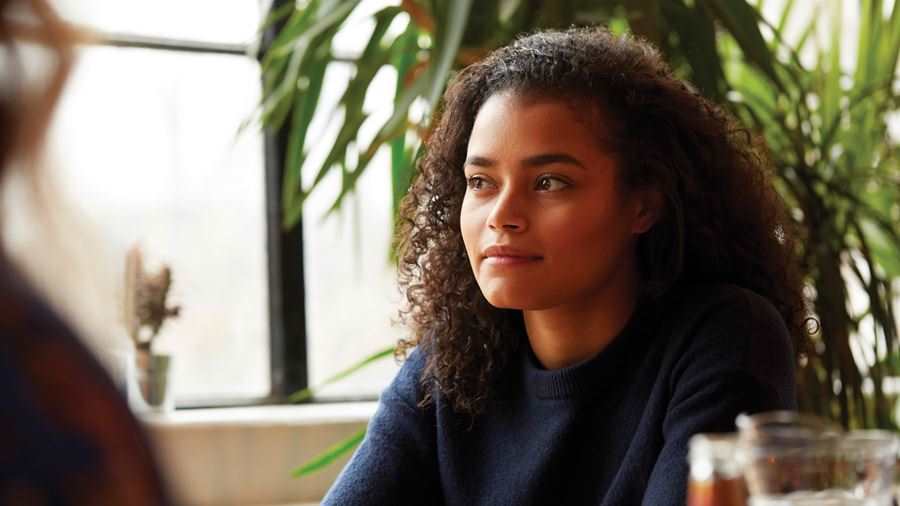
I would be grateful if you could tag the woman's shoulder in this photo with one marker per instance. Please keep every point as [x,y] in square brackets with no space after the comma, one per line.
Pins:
[732,326]
[722,307]
[725,329]
[407,384]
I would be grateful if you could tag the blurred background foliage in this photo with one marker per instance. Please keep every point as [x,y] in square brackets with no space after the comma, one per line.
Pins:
[822,95]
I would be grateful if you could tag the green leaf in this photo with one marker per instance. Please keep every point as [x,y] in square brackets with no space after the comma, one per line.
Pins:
[741,20]
[373,58]
[447,44]
[394,126]
[696,34]
[296,24]
[402,170]
[276,105]
[275,15]
[785,15]
[754,87]
[800,43]
[304,110]
[353,120]
[401,165]
[868,28]
[885,251]
[308,393]
[397,121]
[831,94]
[893,39]
[330,455]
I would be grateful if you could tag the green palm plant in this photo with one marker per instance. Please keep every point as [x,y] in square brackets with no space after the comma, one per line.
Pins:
[827,130]
[438,37]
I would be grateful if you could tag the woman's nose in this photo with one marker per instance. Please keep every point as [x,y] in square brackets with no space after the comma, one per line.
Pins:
[508,213]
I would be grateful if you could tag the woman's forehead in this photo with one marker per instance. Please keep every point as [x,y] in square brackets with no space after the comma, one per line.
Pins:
[545,116]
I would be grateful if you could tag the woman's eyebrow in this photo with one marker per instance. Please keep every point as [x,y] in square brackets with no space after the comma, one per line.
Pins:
[549,158]
[531,161]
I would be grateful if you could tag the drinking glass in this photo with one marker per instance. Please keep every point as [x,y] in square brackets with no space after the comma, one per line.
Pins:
[792,459]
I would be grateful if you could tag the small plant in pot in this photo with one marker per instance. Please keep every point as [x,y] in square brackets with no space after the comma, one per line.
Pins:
[146,310]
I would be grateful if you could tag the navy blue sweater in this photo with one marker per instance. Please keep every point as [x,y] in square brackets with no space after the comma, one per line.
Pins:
[612,430]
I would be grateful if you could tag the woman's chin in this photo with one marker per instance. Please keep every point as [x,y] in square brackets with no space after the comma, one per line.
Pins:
[521,301]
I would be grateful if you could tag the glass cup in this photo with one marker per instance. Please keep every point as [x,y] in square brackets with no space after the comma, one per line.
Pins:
[792,459]
[716,476]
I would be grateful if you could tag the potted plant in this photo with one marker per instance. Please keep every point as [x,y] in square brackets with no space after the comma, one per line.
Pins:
[145,312]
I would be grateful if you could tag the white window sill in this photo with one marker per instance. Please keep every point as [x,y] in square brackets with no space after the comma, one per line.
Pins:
[306,414]
[245,455]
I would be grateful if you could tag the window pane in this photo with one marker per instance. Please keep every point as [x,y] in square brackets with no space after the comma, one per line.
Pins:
[229,21]
[146,145]
[351,294]
[351,289]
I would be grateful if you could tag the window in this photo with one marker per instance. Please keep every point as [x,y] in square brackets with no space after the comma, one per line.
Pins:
[145,148]
[350,286]
[210,21]
[149,150]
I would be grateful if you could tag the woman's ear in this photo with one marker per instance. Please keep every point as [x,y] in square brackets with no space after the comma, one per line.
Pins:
[649,209]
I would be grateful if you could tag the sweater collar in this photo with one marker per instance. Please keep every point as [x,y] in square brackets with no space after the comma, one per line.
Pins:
[588,377]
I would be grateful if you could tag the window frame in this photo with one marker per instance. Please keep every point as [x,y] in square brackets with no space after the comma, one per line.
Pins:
[287,299]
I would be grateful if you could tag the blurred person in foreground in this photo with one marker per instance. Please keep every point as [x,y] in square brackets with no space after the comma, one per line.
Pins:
[67,436]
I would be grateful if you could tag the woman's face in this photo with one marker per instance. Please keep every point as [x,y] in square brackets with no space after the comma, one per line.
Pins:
[543,220]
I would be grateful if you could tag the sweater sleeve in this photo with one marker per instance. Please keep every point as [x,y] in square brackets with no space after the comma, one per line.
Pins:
[396,462]
[738,358]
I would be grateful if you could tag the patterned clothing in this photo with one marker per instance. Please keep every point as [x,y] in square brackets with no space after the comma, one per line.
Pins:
[67,436]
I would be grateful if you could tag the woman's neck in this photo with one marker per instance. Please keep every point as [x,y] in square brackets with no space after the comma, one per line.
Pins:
[568,334]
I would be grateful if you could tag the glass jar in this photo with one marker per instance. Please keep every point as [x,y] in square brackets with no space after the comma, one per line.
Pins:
[792,459]
[716,471]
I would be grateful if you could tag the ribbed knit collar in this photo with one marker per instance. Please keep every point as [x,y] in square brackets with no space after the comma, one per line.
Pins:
[591,376]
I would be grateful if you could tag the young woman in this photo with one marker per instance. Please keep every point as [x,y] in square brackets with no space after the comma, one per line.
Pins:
[596,267]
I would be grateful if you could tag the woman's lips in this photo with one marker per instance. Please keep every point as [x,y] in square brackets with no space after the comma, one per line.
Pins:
[505,254]
[510,260]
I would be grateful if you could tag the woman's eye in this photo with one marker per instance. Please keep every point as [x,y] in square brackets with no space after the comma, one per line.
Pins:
[476,183]
[550,184]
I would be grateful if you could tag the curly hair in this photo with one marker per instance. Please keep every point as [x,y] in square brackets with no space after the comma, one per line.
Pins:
[722,220]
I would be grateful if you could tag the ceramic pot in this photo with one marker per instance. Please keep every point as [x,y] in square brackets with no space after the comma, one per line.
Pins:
[153,375]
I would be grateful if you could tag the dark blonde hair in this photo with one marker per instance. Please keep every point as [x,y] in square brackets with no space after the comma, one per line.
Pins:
[722,222]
